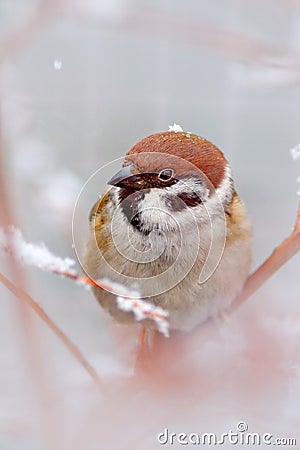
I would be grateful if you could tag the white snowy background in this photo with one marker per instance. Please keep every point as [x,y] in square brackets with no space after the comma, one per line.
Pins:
[80,83]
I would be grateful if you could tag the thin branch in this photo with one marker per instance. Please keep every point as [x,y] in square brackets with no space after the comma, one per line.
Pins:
[283,253]
[22,295]
[139,307]
[30,341]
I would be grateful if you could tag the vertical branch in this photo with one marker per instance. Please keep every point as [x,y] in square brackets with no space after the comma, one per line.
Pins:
[31,342]
[283,253]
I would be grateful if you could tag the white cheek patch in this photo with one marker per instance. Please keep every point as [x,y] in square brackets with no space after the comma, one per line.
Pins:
[189,185]
[155,213]
[225,190]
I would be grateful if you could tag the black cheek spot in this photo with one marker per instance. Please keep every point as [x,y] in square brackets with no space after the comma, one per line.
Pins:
[184,200]
[190,199]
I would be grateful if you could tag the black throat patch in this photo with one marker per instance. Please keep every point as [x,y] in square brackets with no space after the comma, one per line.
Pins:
[129,203]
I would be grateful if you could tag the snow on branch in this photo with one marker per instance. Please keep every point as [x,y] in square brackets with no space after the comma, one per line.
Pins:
[144,310]
[129,300]
[13,243]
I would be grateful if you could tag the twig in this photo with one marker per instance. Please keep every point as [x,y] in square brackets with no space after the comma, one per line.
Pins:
[139,307]
[22,295]
[127,299]
[30,341]
[283,253]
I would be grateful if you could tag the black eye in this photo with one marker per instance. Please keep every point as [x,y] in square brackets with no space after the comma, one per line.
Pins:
[166,174]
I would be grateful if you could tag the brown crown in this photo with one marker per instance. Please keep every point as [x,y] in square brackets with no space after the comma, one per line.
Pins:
[163,147]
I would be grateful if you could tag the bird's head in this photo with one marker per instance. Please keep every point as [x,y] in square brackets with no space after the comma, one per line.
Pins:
[174,170]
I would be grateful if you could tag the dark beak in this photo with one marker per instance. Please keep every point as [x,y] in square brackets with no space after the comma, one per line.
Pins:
[126,179]
[120,176]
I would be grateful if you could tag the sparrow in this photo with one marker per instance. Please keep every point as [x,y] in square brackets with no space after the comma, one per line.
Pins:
[172,227]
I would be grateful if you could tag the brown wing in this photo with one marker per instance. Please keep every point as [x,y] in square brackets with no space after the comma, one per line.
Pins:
[95,210]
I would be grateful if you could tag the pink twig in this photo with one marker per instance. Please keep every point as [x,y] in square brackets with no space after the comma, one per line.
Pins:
[31,342]
[283,253]
[128,300]
[125,301]
[26,298]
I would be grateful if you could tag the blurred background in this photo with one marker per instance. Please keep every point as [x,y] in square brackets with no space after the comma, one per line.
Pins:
[80,83]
